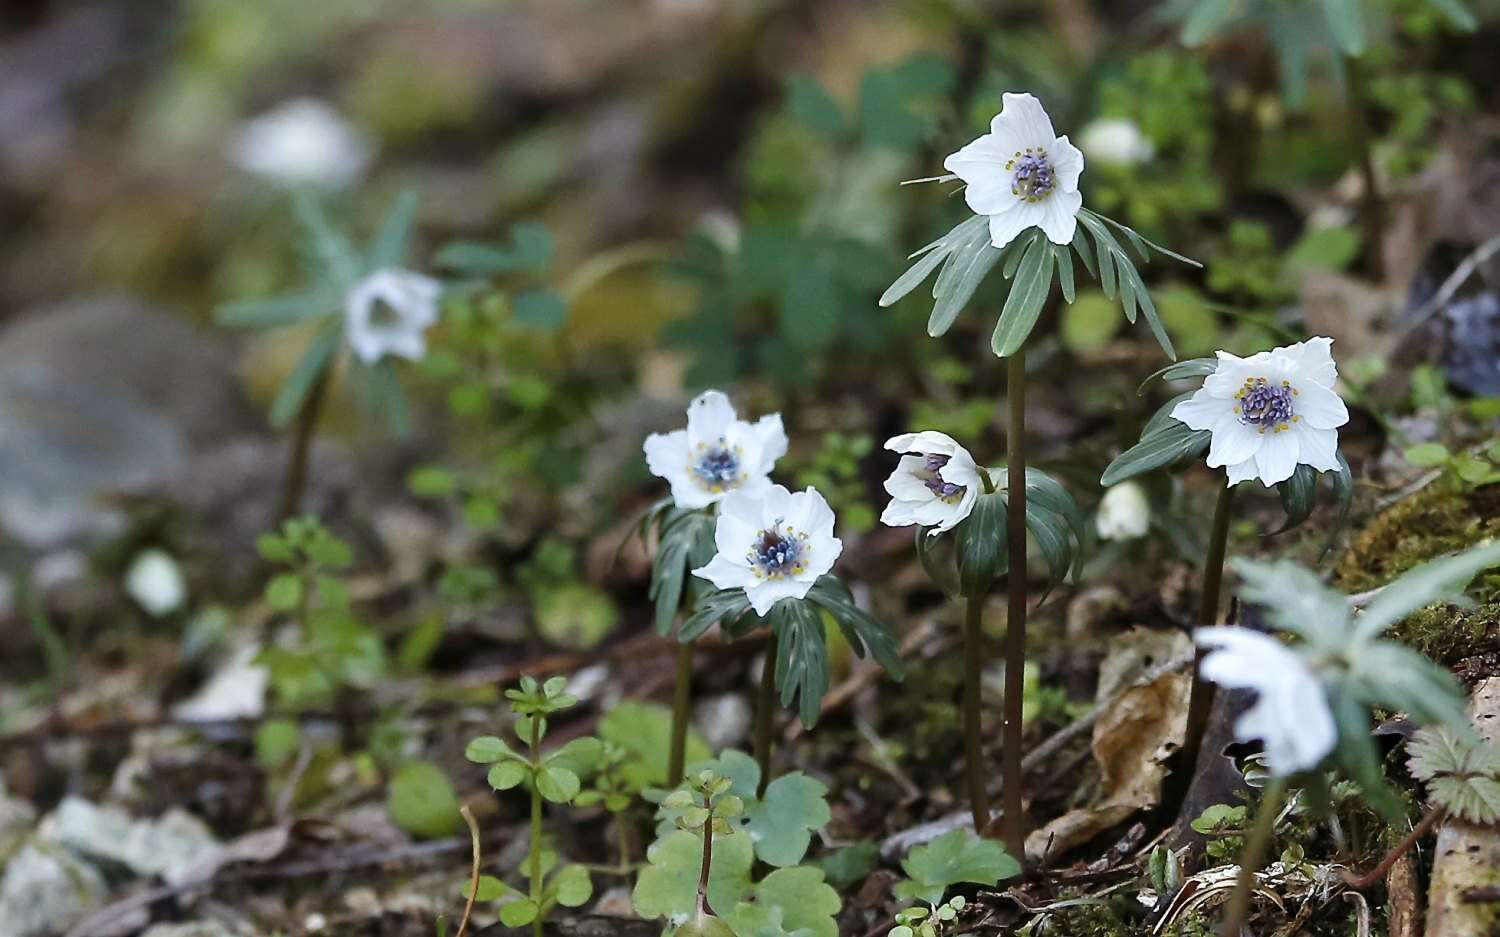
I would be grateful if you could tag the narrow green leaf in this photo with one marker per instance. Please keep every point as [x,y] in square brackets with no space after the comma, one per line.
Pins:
[1028,294]
[388,249]
[1048,493]
[1162,418]
[328,246]
[1298,495]
[1164,447]
[1457,14]
[1347,24]
[279,310]
[801,657]
[980,544]
[1424,585]
[959,278]
[309,368]
[913,277]
[1182,370]
[1204,20]
[1064,258]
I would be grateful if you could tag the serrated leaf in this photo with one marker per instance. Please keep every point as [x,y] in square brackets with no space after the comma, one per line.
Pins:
[801,657]
[668,885]
[806,902]
[956,856]
[1170,444]
[1295,600]
[721,605]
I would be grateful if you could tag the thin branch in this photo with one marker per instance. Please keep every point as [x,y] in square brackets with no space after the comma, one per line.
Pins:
[463,925]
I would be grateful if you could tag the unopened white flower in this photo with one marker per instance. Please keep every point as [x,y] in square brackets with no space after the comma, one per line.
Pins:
[1124,513]
[718,453]
[1270,412]
[302,142]
[772,543]
[1115,140]
[388,312]
[1290,717]
[1021,174]
[934,485]
[155,581]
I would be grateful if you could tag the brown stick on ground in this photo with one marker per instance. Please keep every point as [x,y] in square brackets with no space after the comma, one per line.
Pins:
[1401,886]
[1432,818]
[473,824]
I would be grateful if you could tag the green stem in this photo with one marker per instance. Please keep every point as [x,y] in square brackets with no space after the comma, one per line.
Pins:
[1013,820]
[295,479]
[622,839]
[1201,696]
[536,825]
[1250,859]
[765,717]
[682,695]
[979,798]
[708,858]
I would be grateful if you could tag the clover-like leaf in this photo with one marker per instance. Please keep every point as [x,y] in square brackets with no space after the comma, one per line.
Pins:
[807,903]
[753,920]
[572,886]
[668,885]
[580,756]
[781,825]
[954,857]
[519,912]
[487,749]
[507,774]
[556,784]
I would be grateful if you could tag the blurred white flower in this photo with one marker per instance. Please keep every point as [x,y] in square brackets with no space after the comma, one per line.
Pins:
[1290,717]
[1115,140]
[1021,174]
[1124,513]
[774,544]
[302,142]
[155,582]
[1270,412]
[934,485]
[718,453]
[388,312]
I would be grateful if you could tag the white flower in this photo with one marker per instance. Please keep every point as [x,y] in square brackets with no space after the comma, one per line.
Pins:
[1021,174]
[1290,717]
[1124,513]
[1270,412]
[387,313]
[302,142]
[717,453]
[155,581]
[934,485]
[773,543]
[1115,140]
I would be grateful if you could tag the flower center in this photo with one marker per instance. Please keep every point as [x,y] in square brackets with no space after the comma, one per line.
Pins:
[777,553]
[944,490]
[718,467]
[1266,405]
[1033,178]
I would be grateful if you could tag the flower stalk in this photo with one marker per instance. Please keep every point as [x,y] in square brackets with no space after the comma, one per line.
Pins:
[1201,696]
[1251,858]
[973,735]
[682,694]
[536,825]
[295,479]
[765,717]
[1014,823]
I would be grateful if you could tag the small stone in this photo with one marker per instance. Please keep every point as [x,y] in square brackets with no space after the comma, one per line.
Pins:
[45,890]
[155,582]
[189,929]
[173,846]
[724,720]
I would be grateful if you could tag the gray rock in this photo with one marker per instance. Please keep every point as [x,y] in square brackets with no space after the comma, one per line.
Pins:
[189,929]
[46,889]
[724,720]
[102,395]
[173,846]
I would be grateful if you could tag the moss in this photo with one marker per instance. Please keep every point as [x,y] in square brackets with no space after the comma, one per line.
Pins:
[1434,522]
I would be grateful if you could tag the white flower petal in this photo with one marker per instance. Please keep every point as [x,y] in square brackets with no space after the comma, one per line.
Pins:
[765,593]
[1202,410]
[1290,715]
[1314,360]
[1005,226]
[771,436]
[1022,122]
[1317,447]
[1060,215]
[904,484]
[725,573]
[407,303]
[1124,513]
[709,417]
[1276,459]
[1240,472]
[732,536]
[1229,375]
[1233,441]
[1067,163]
[981,165]
[1320,407]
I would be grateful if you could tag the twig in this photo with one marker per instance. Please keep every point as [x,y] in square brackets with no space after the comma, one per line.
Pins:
[1456,279]
[1376,875]
[463,925]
